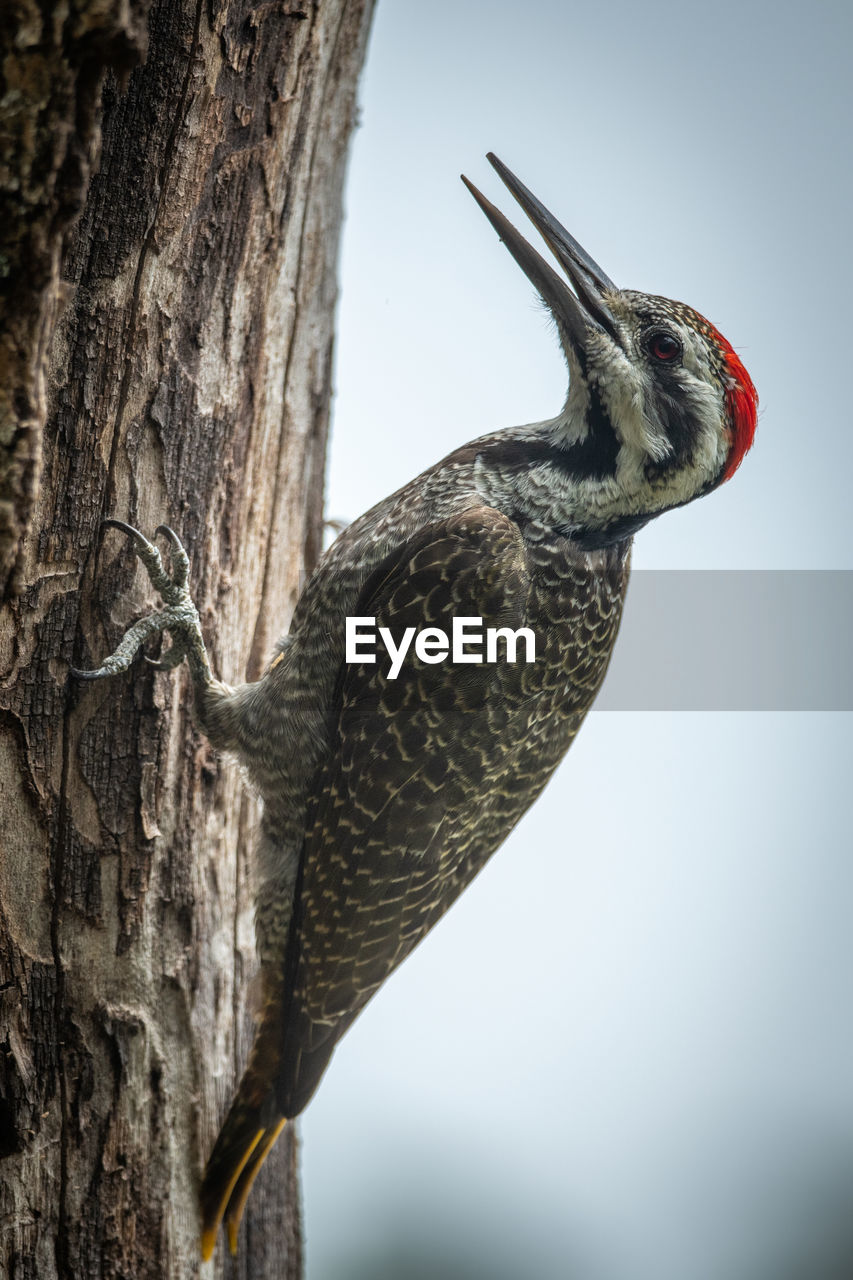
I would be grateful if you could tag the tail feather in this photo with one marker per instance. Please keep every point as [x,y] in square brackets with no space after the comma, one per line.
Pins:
[251,1127]
[234,1146]
[249,1171]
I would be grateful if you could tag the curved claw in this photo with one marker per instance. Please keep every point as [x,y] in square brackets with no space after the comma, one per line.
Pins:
[180,559]
[139,538]
[170,589]
[180,616]
[171,535]
[171,659]
[128,647]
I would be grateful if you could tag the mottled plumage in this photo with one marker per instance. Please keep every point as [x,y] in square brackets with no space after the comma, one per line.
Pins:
[428,773]
[384,797]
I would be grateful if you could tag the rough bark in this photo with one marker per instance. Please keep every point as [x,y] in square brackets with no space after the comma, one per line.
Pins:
[187,382]
[52,61]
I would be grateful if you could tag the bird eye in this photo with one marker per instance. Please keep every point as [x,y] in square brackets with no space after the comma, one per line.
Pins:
[663,346]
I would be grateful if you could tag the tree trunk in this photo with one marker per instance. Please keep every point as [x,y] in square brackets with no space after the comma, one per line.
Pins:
[187,382]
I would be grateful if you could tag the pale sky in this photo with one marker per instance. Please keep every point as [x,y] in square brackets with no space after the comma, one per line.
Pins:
[626,1053]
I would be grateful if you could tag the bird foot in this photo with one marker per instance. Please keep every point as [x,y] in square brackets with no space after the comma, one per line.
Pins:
[180,617]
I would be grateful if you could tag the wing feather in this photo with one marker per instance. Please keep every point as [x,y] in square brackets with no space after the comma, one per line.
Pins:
[395,825]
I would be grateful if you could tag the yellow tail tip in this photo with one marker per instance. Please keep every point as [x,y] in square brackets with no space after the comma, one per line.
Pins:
[212,1220]
[240,1192]
[208,1244]
[232,1229]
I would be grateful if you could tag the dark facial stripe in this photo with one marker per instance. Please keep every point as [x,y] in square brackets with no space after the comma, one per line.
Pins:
[679,429]
[593,458]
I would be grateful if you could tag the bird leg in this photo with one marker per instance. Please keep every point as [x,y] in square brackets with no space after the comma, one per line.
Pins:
[180,617]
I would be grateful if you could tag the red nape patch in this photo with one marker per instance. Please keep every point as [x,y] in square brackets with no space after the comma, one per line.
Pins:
[742,406]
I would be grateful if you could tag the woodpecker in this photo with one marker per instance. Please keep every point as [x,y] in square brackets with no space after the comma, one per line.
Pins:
[383,797]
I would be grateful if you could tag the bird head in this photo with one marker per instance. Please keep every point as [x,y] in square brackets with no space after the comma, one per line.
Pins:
[660,408]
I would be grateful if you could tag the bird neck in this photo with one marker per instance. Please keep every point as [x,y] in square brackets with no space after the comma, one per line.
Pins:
[570,474]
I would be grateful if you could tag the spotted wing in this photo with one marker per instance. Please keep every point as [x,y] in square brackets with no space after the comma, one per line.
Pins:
[405,809]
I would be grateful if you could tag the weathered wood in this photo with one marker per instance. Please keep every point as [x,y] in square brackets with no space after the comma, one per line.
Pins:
[188,383]
[52,64]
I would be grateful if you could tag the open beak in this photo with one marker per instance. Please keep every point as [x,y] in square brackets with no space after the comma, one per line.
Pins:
[579,312]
